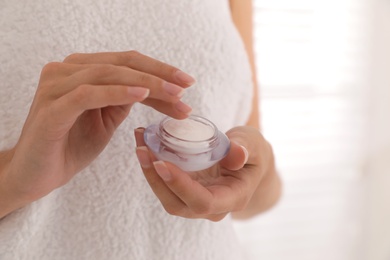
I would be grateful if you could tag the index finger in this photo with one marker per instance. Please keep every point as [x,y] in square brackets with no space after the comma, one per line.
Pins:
[137,61]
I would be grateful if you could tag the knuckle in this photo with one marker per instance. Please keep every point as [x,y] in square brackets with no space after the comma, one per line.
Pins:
[73,58]
[129,57]
[165,68]
[102,70]
[144,79]
[171,211]
[132,54]
[51,68]
[204,208]
[109,91]
[174,210]
[216,218]
[82,94]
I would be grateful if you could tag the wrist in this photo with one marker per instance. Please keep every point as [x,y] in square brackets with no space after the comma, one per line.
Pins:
[9,199]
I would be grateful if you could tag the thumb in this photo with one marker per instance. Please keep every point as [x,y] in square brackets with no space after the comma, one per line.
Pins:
[236,157]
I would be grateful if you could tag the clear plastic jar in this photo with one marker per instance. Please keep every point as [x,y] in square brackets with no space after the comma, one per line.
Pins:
[192,144]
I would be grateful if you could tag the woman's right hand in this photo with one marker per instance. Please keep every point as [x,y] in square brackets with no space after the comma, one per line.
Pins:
[78,105]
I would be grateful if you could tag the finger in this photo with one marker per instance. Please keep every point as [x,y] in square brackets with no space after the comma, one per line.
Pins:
[173,108]
[236,158]
[139,136]
[171,203]
[217,217]
[168,199]
[197,197]
[137,61]
[140,141]
[177,110]
[86,97]
[116,75]
[55,69]
[179,194]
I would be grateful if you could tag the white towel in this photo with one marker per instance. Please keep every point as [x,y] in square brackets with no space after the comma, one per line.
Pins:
[108,211]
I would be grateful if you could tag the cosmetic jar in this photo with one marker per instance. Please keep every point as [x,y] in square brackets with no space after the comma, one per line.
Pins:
[192,144]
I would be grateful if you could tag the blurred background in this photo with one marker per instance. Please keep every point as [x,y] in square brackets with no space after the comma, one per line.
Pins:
[324,74]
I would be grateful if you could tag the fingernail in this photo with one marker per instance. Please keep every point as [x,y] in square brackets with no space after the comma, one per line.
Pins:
[139,130]
[162,170]
[139,136]
[138,92]
[182,107]
[143,157]
[245,152]
[184,77]
[173,89]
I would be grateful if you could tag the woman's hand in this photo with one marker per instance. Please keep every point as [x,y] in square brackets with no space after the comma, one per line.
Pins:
[78,105]
[212,193]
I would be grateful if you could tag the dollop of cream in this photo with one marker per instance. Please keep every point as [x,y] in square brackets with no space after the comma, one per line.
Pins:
[188,129]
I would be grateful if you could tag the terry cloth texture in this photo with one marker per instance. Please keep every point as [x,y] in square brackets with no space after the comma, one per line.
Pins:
[108,211]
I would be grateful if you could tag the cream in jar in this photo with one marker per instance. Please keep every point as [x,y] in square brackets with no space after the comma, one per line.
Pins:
[192,144]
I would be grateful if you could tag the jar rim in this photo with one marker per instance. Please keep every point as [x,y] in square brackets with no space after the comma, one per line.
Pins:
[164,133]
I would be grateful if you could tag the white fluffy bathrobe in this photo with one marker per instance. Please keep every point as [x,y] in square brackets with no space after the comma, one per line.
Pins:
[108,211]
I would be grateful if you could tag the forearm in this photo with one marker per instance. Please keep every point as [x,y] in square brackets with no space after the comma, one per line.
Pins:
[266,194]
[8,200]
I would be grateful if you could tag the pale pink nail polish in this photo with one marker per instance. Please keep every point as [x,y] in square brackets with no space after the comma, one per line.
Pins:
[173,89]
[143,157]
[182,107]
[245,152]
[162,170]
[138,92]
[184,77]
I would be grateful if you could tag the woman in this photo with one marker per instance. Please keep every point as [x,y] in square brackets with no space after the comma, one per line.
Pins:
[70,183]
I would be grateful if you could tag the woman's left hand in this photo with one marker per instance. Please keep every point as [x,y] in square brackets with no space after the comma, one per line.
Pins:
[212,193]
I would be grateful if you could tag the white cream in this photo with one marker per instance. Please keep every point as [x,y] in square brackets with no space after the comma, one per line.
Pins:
[192,144]
[189,129]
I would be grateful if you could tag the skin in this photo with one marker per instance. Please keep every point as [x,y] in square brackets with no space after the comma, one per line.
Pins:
[78,105]
[80,102]
[245,183]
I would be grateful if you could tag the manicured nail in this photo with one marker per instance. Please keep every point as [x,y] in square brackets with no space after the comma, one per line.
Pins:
[184,77]
[138,92]
[173,89]
[245,152]
[182,107]
[139,130]
[162,170]
[143,157]
[139,136]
